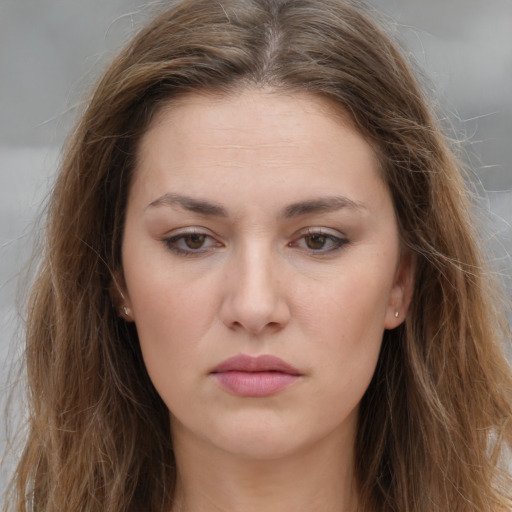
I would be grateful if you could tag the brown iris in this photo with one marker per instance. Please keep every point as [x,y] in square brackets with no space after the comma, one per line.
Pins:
[194,241]
[315,242]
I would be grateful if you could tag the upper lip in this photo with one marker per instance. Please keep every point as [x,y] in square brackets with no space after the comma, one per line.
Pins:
[263,363]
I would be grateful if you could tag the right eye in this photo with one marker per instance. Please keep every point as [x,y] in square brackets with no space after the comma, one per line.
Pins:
[190,243]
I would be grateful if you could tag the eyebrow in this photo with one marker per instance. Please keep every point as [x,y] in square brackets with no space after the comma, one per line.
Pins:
[191,204]
[320,205]
[310,206]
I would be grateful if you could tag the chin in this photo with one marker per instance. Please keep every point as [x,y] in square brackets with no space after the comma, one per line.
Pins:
[259,446]
[265,436]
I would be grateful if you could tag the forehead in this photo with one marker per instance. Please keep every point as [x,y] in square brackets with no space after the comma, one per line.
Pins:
[254,141]
[245,109]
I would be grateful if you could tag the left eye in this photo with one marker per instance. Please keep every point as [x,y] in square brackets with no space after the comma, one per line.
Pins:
[319,242]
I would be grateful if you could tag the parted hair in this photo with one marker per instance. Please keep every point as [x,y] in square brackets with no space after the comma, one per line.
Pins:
[435,423]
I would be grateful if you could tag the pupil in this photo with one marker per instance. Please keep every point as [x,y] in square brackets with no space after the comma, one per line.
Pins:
[194,241]
[315,241]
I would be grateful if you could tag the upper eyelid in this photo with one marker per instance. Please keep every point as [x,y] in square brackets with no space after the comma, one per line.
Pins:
[343,239]
[312,230]
[183,232]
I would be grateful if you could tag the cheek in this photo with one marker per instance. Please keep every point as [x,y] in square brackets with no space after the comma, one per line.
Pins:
[164,295]
[173,314]
[350,307]
[344,326]
[170,331]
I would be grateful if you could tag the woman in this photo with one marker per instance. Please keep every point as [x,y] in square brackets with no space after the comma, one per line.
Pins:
[260,286]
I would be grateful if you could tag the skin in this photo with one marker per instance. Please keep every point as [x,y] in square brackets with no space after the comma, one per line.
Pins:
[316,287]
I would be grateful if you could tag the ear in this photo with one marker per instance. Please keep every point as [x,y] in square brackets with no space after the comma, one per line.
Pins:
[402,291]
[120,297]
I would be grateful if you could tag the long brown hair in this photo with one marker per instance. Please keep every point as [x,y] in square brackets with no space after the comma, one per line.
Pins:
[435,422]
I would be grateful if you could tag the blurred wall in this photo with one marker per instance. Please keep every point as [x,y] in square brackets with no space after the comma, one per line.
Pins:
[52,50]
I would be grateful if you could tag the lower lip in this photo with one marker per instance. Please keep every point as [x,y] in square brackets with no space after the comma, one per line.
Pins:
[255,383]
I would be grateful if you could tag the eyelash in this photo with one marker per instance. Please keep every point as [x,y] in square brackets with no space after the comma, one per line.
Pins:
[336,241]
[172,243]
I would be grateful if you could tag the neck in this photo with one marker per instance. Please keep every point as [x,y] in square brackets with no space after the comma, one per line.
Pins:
[318,479]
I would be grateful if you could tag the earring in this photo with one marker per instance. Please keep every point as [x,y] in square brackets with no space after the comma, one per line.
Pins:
[126,311]
[396,314]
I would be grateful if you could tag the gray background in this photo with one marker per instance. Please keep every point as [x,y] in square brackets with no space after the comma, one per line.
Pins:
[52,50]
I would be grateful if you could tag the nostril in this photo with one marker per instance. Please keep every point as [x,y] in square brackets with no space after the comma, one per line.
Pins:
[255,328]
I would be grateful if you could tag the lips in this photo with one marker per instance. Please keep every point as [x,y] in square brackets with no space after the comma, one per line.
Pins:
[260,376]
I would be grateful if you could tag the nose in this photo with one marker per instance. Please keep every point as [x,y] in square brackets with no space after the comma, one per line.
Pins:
[254,298]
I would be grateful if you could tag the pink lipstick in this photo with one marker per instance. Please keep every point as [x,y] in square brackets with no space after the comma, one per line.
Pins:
[260,376]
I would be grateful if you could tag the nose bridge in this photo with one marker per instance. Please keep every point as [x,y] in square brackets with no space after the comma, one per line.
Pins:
[254,298]
[256,269]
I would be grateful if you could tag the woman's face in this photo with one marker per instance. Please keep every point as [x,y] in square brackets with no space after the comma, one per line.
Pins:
[261,266]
